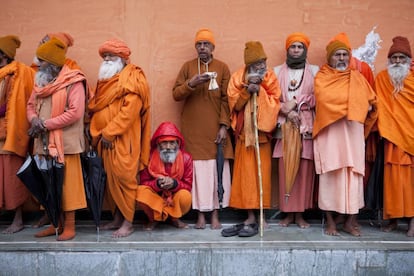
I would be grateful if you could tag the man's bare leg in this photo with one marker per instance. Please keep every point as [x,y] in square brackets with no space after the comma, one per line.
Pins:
[201,221]
[17,224]
[125,230]
[215,222]
[410,232]
[392,225]
[349,226]
[115,223]
[330,225]
[251,218]
[44,219]
[300,221]
[287,220]
[178,223]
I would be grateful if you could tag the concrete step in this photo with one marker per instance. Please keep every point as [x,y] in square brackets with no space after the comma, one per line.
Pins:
[171,251]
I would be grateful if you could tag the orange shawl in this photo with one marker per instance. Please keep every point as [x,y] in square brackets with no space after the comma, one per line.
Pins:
[57,90]
[396,113]
[17,125]
[341,94]
[130,80]
[268,103]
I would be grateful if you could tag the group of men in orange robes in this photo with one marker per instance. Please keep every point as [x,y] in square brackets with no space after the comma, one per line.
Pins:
[347,108]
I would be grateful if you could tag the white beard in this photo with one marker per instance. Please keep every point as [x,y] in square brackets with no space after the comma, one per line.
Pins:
[168,155]
[43,77]
[398,73]
[110,68]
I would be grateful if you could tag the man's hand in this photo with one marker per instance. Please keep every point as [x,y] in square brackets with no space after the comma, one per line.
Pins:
[165,183]
[288,107]
[36,128]
[255,80]
[293,116]
[198,79]
[253,88]
[106,144]
[221,135]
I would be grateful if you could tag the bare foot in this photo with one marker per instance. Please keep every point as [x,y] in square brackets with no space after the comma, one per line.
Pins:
[350,229]
[302,223]
[13,228]
[287,220]
[150,225]
[201,221]
[179,224]
[215,222]
[42,221]
[125,230]
[392,225]
[410,232]
[331,230]
[111,225]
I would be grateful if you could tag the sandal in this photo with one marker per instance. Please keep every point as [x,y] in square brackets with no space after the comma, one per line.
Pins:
[232,230]
[249,230]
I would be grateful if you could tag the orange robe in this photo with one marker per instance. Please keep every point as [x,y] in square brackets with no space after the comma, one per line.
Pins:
[245,185]
[17,79]
[120,114]
[396,125]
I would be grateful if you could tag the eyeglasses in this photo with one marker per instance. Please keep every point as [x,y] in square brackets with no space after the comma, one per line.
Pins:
[401,58]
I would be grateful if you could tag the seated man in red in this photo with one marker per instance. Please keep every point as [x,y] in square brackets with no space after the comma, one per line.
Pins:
[165,186]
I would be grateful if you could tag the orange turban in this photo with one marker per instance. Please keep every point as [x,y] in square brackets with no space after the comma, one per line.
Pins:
[52,51]
[400,44]
[9,44]
[64,37]
[340,41]
[297,37]
[253,52]
[116,47]
[205,35]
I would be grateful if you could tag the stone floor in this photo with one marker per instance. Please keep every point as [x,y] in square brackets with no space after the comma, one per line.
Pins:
[281,251]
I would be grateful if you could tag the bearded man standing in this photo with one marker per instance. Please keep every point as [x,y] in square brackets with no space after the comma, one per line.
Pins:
[16,83]
[120,129]
[165,186]
[55,111]
[395,92]
[205,120]
[296,82]
[253,78]
[344,99]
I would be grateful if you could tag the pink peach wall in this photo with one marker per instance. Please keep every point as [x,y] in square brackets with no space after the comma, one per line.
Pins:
[160,33]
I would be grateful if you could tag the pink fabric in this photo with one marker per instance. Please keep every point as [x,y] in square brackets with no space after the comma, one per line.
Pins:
[13,193]
[340,161]
[301,195]
[204,192]
[340,145]
[341,191]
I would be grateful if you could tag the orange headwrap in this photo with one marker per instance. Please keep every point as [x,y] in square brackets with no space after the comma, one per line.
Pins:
[64,37]
[166,138]
[206,35]
[297,37]
[340,41]
[116,47]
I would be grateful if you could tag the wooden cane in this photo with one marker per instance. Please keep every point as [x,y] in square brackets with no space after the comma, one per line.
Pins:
[259,166]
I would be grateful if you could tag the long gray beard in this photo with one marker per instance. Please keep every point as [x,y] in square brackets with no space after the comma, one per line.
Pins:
[398,73]
[110,68]
[168,155]
[45,75]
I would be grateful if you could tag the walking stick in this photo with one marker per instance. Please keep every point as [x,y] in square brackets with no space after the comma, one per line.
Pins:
[259,166]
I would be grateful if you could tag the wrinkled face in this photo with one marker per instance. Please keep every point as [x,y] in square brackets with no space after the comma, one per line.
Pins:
[340,60]
[204,50]
[258,67]
[398,58]
[168,151]
[296,49]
